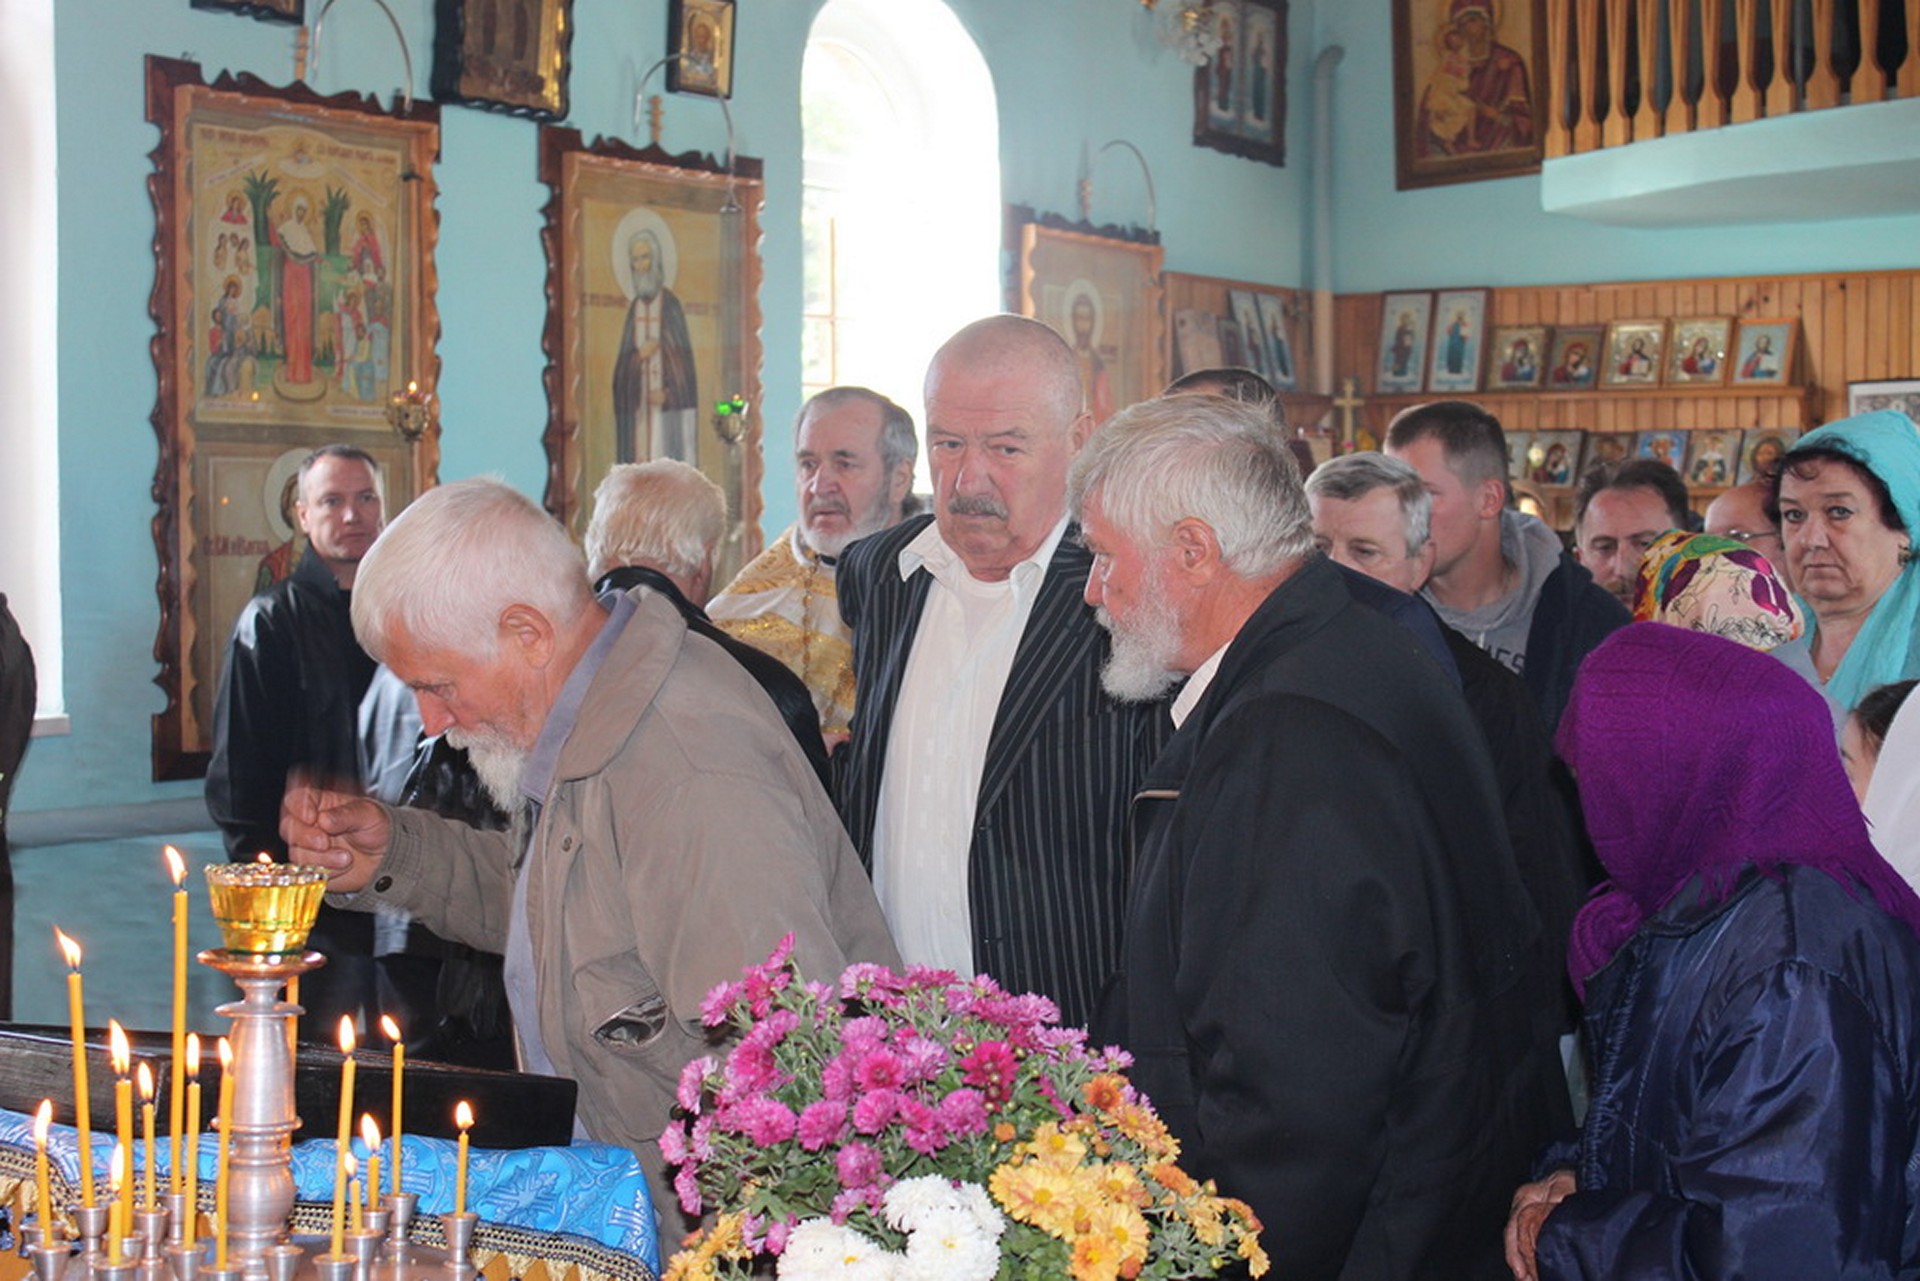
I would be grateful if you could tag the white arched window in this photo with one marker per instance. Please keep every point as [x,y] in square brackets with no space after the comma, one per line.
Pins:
[902,193]
[29,310]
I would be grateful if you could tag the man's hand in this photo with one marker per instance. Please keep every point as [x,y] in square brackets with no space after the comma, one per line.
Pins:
[344,833]
[1531,1205]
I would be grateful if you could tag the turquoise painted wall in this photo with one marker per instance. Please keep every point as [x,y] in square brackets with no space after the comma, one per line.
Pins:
[1069,74]
[1494,233]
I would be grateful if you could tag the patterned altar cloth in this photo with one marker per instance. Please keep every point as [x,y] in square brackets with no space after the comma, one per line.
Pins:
[587,1190]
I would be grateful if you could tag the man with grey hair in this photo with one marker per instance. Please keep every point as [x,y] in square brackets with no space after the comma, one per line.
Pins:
[987,778]
[668,832]
[658,525]
[1324,975]
[853,468]
[1371,513]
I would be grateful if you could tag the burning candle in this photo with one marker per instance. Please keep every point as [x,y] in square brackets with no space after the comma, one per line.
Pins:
[122,1055]
[117,1208]
[42,1182]
[146,1131]
[76,1010]
[342,1154]
[192,1182]
[462,1117]
[220,1167]
[370,1135]
[392,1029]
[176,1099]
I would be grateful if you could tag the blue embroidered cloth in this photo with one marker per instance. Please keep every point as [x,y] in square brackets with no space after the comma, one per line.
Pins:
[588,1189]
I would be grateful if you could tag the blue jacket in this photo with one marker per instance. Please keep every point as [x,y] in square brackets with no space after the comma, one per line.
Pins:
[1756,1093]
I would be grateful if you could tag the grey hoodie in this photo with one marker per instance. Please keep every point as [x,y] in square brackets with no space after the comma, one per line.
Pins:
[1501,627]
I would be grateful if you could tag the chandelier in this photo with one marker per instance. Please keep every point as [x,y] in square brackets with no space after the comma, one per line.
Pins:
[1188,27]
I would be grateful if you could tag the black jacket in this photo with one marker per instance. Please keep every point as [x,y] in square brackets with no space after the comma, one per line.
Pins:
[1325,976]
[788,692]
[1573,614]
[289,697]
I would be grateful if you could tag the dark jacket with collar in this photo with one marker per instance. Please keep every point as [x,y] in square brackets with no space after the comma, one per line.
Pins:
[788,692]
[1325,973]
[1573,615]
[1047,872]
[1756,1093]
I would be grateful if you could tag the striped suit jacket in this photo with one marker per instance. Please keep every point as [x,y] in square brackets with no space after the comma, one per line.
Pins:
[1048,869]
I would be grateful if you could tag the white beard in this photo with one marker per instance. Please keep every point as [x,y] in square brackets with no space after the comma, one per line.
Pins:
[499,762]
[1140,667]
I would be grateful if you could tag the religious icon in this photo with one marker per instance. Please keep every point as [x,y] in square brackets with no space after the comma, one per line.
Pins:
[1715,454]
[1102,294]
[1633,353]
[1764,352]
[1239,89]
[1459,319]
[1518,358]
[700,44]
[1466,86]
[1699,351]
[655,386]
[1574,363]
[1403,342]
[1084,312]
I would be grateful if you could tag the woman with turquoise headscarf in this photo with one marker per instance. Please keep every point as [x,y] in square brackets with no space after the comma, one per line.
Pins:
[1848,500]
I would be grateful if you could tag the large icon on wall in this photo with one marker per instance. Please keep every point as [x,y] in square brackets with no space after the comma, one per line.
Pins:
[293,298]
[653,332]
[1469,89]
[1240,92]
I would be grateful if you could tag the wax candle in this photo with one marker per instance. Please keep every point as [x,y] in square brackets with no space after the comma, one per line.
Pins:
[122,1055]
[192,1184]
[42,1182]
[145,1074]
[462,1117]
[370,1135]
[76,1010]
[293,1025]
[220,1189]
[117,1209]
[176,1097]
[392,1030]
[341,1153]
[353,1194]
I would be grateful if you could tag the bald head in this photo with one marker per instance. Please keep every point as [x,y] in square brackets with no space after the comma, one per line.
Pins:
[1741,513]
[1004,419]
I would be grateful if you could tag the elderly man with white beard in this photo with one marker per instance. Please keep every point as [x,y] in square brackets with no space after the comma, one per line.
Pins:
[1323,972]
[668,829]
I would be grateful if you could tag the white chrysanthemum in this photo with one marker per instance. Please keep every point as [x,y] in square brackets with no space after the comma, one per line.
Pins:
[950,1246]
[974,1201]
[822,1250]
[909,1202]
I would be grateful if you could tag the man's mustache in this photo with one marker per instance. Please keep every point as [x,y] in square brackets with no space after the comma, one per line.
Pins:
[961,505]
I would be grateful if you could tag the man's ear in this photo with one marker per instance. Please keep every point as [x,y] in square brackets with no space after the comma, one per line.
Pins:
[1081,429]
[528,633]
[899,486]
[1493,498]
[1196,549]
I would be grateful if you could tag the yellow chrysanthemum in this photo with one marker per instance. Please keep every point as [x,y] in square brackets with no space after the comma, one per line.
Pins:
[696,1261]
[1120,1183]
[1204,1214]
[1054,1146]
[1146,1129]
[1124,1231]
[1094,1259]
[1173,1179]
[1034,1193]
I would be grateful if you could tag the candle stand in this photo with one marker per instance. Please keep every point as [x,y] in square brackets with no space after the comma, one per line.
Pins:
[260,1192]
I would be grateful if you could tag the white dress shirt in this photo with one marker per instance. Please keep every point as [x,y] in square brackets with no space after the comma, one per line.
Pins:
[1196,687]
[950,694]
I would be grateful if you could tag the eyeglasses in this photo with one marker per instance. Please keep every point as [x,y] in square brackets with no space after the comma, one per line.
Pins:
[1752,537]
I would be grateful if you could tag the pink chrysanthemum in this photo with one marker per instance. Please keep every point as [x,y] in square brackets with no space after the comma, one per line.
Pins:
[822,1123]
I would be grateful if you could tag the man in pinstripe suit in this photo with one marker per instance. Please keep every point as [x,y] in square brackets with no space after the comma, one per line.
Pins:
[987,779]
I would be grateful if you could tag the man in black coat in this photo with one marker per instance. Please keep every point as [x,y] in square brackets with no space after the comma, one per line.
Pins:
[289,700]
[987,778]
[1324,978]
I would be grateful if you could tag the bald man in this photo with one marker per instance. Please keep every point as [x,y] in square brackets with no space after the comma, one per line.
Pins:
[988,776]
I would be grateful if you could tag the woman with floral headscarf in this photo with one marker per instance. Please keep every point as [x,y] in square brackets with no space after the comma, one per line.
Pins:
[1748,971]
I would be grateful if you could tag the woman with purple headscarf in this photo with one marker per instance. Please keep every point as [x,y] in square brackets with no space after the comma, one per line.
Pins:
[1749,971]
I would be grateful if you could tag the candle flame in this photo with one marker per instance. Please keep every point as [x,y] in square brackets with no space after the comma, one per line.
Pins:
[68,947]
[176,867]
[348,1164]
[413,388]
[144,1075]
[263,857]
[463,1115]
[389,1028]
[118,1050]
[118,1166]
[193,1054]
[226,1055]
[42,1121]
[369,1132]
[346,1034]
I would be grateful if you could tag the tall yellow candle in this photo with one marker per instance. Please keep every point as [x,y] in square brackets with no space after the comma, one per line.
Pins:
[77,1014]
[462,1117]
[145,1074]
[353,1195]
[392,1030]
[191,1186]
[176,1096]
[341,1153]
[370,1135]
[220,1188]
[42,1182]
[122,1055]
[117,1212]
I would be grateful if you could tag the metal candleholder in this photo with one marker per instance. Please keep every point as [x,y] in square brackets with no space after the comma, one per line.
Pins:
[91,1223]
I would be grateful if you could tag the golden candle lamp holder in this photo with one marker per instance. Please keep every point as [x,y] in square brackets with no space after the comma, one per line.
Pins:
[412,412]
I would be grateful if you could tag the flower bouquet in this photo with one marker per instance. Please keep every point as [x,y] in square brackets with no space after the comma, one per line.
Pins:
[921,1126]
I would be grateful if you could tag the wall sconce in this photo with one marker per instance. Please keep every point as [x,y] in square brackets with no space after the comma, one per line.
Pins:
[412,411]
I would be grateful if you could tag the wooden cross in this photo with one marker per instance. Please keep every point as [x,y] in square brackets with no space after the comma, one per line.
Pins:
[1349,403]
